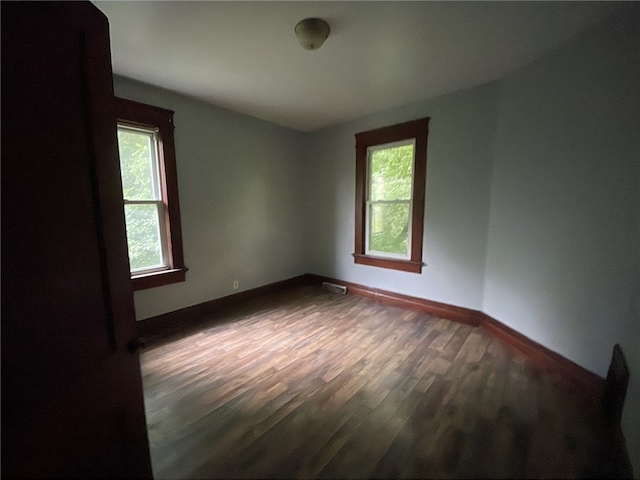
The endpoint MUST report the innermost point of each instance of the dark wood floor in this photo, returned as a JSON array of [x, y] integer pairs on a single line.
[[315, 384]]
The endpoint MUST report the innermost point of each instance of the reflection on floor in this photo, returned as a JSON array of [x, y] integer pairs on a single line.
[[315, 384]]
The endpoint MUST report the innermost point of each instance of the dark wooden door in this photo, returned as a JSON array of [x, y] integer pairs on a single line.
[[72, 402]]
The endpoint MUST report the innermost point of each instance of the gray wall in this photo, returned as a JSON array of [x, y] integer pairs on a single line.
[[459, 152], [564, 191], [240, 195], [532, 203], [532, 210], [563, 248]]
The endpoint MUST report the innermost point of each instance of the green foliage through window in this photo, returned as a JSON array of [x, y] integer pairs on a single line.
[[389, 192], [143, 236], [139, 167]]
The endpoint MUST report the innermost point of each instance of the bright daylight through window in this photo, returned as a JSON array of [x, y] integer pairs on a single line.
[[150, 194], [143, 203], [390, 174], [390, 182]]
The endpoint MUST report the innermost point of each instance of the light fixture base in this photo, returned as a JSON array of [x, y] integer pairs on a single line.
[[312, 32]]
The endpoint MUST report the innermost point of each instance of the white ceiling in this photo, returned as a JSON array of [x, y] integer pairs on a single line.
[[244, 55]]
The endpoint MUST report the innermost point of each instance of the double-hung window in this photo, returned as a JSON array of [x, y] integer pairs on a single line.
[[150, 194], [390, 182]]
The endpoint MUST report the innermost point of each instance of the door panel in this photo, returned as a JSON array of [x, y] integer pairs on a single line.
[[72, 399]]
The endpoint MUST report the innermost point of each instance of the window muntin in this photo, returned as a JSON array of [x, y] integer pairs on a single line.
[[389, 199], [144, 204]]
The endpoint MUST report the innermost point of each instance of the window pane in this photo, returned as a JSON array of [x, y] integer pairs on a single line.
[[143, 236], [389, 228], [390, 171], [138, 164]]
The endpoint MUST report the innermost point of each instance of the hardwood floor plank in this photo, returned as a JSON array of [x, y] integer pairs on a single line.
[[306, 384]]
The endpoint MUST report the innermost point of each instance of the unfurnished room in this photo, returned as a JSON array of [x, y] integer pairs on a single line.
[[368, 239]]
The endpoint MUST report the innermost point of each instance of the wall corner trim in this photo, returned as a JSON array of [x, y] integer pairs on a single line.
[[549, 360], [438, 309], [186, 319]]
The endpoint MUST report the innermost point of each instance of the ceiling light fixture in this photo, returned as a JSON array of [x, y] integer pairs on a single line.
[[312, 32]]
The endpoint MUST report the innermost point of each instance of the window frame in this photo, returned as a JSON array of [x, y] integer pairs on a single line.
[[148, 117], [370, 203], [158, 203], [416, 131]]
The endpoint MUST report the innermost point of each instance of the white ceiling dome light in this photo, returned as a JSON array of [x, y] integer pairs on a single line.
[[312, 32]]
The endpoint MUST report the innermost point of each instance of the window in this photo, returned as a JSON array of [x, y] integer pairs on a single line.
[[391, 168], [150, 194]]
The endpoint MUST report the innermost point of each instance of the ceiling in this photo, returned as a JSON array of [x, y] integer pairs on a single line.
[[244, 55]]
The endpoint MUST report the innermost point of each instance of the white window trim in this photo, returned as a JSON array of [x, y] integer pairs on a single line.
[[369, 202], [160, 201]]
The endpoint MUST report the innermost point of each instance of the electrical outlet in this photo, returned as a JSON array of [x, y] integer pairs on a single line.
[[236, 284]]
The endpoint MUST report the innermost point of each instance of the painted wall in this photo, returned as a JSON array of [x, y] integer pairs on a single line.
[[532, 210], [532, 206], [564, 191], [240, 194], [563, 247], [459, 152]]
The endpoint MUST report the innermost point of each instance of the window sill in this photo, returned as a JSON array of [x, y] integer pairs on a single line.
[[392, 263], [157, 279]]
